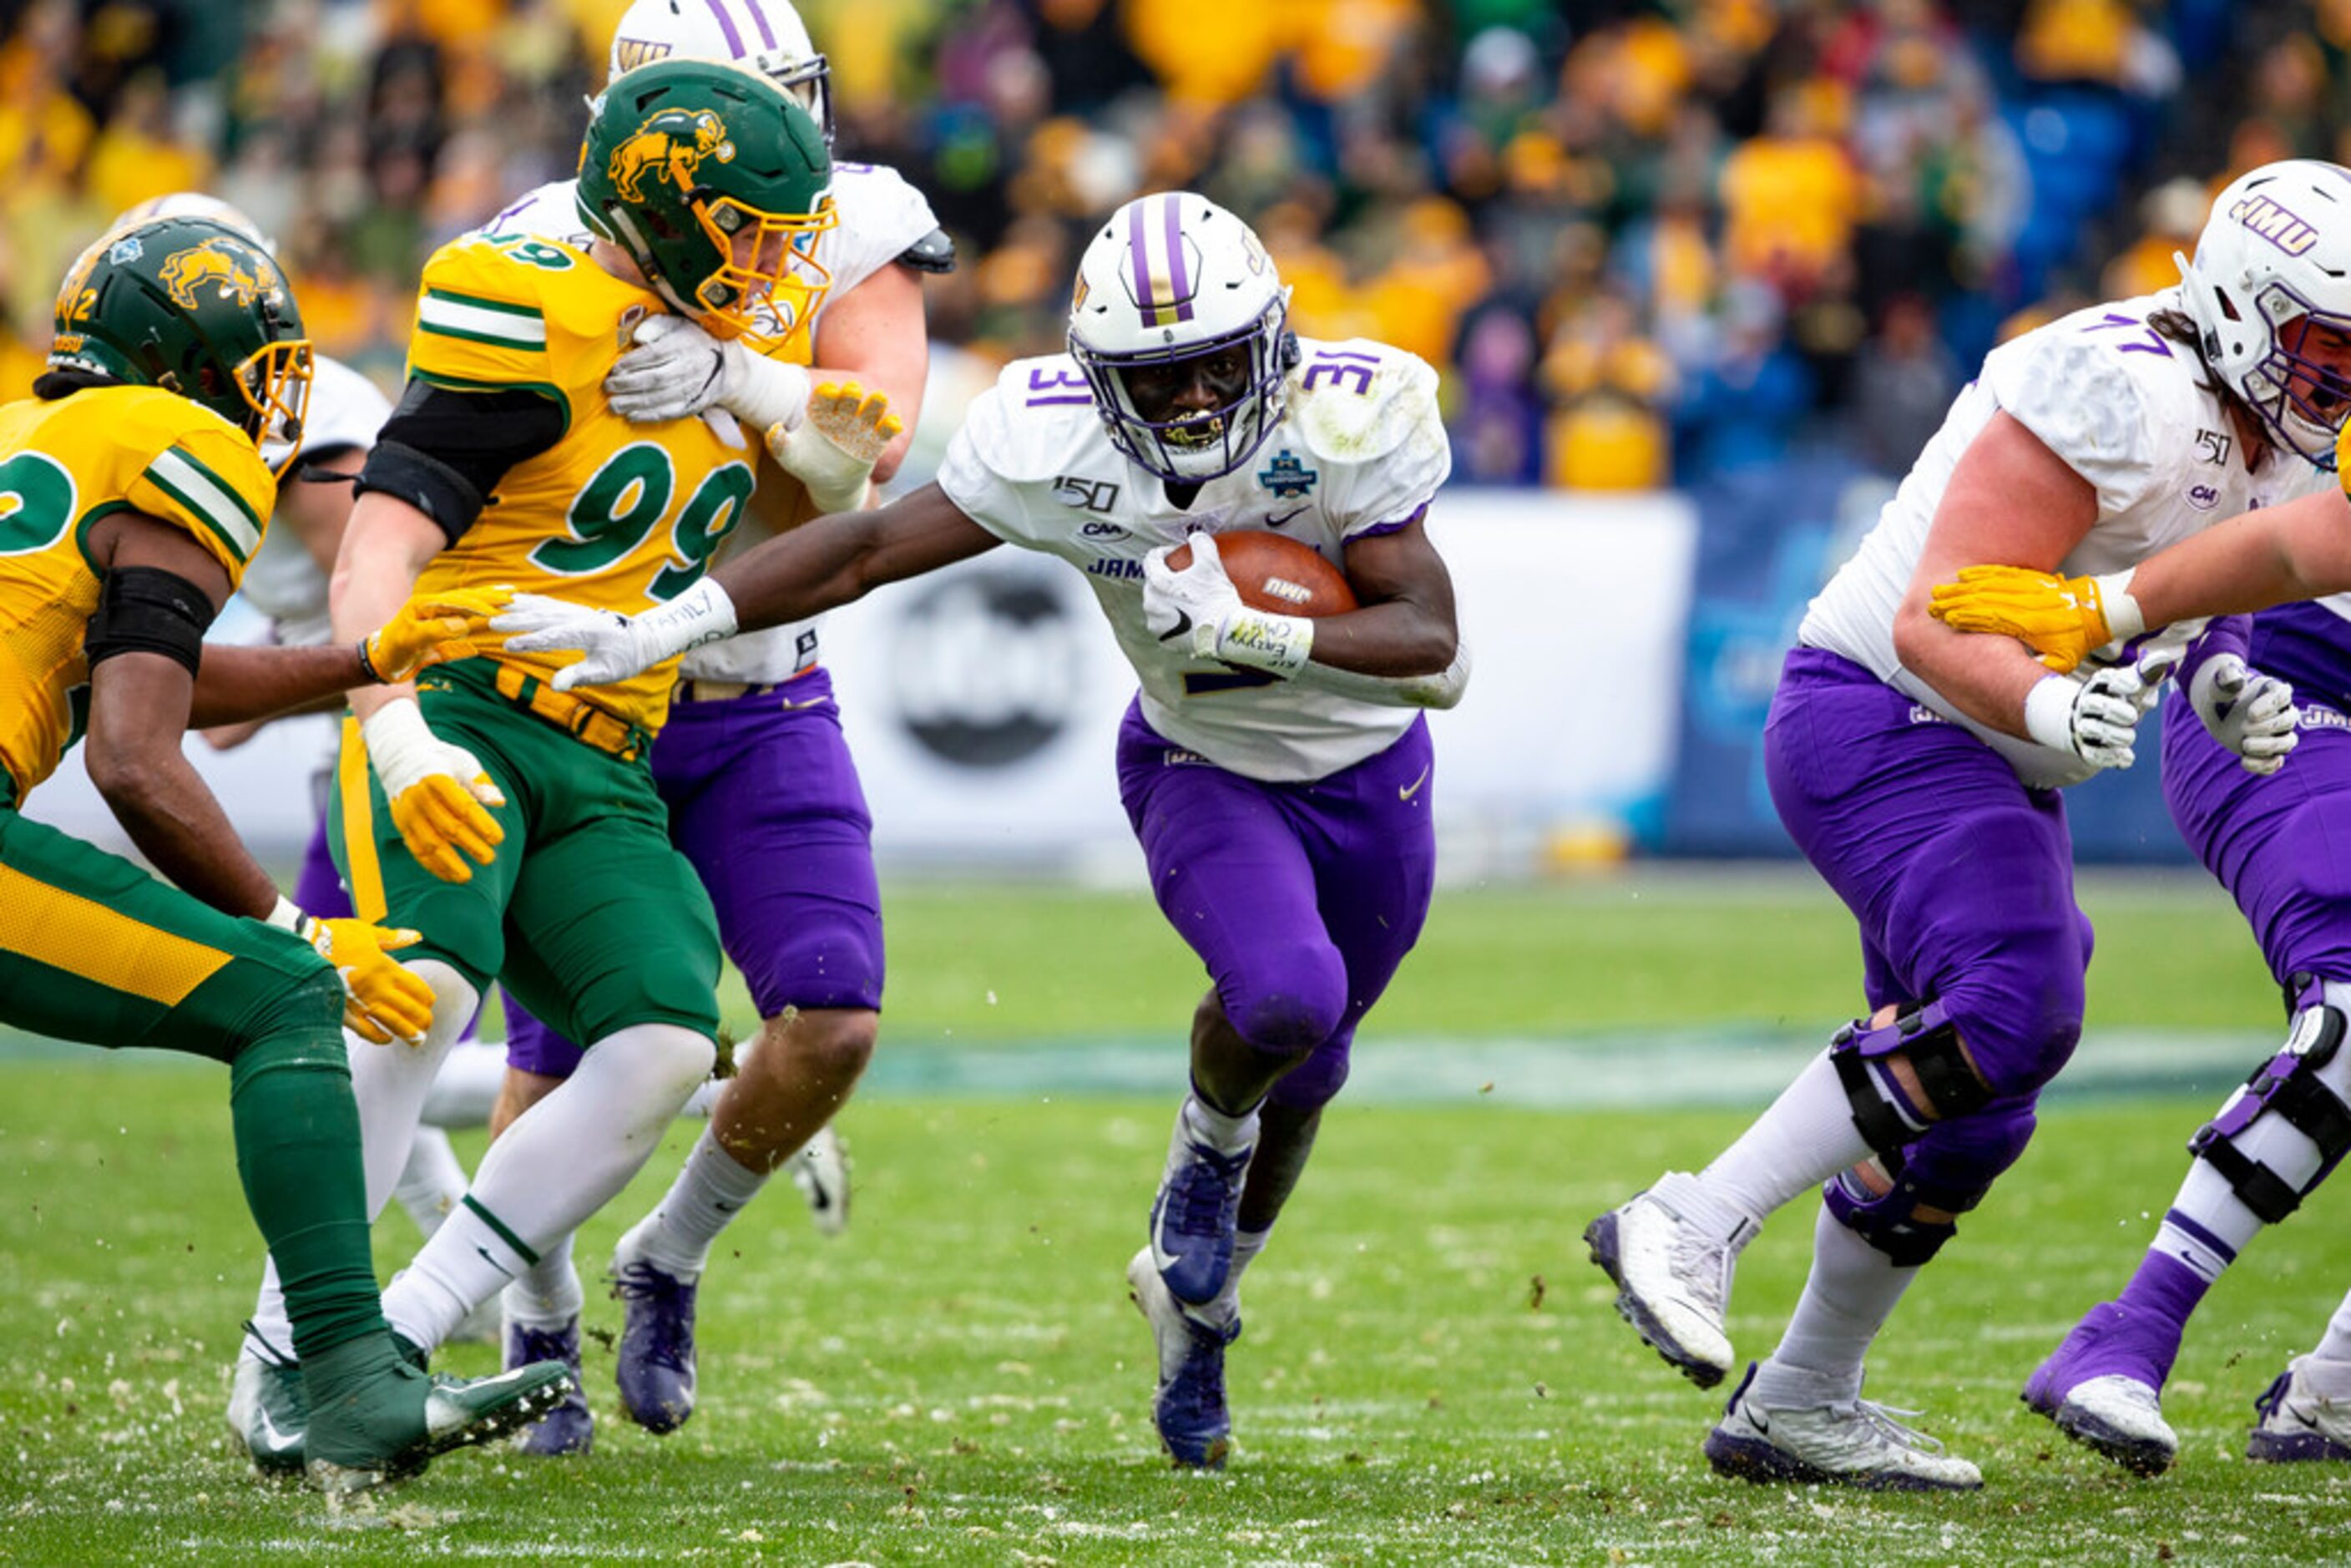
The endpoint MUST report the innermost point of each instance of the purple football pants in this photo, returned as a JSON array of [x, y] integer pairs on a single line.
[[1301, 899]]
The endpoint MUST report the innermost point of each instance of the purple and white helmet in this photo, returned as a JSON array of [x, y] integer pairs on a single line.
[[2277, 251], [195, 205], [1171, 278], [764, 35]]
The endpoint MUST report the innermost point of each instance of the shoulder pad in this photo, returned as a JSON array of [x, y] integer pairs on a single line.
[[1358, 400], [191, 467], [1036, 415], [934, 253]]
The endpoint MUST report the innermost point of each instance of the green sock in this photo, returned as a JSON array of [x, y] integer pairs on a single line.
[[298, 1151]]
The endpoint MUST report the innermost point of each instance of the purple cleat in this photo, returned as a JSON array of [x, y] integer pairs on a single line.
[[2103, 1386], [569, 1427], [656, 1356]]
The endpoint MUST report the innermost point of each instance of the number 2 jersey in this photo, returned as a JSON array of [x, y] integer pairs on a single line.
[[2128, 410], [1359, 451], [881, 217], [64, 464], [617, 516]]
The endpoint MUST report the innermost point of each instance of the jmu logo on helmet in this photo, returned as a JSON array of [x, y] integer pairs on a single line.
[[219, 263], [673, 142], [635, 52], [2275, 225]]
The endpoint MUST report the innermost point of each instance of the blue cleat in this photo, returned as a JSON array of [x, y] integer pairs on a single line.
[[1188, 1407], [1195, 1215], [568, 1427], [656, 1358]]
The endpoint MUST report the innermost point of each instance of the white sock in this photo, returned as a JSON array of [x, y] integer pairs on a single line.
[[2336, 1343], [390, 1083], [466, 1087], [1206, 1124], [711, 1189], [1801, 1139], [1850, 1293], [561, 1161], [2206, 1197], [431, 1182], [547, 1295]]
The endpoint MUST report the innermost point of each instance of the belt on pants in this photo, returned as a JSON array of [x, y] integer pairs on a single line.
[[575, 717]]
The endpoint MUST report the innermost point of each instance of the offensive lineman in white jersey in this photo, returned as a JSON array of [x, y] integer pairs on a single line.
[[1919, 770], [762, 794], [1275, 769]]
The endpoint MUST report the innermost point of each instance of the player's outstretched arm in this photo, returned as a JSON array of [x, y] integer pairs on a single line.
[[819, 566]]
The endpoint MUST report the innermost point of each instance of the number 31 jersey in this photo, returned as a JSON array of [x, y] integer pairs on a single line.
[[1359, 451], [63, 465], [618, 516]]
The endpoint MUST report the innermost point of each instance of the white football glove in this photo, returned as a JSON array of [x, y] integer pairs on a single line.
[[675, 370], [1200, 606], [831, 446], [2095, 718], [2250, 713], [616, 646]]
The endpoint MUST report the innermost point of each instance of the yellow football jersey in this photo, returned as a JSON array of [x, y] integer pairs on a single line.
[[63, 465], [618, 516]]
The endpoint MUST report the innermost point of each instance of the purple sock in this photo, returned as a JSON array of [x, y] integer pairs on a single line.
[[2164, 1292], [2136, 1336]]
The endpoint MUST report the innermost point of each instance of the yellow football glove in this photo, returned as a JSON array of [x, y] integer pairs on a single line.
[[382, 1000], [2060, 619], [433, 628], [440, 795], [839, 438]]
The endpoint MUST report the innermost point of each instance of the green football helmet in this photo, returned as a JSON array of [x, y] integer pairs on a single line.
[[196, 308], [717, 184]]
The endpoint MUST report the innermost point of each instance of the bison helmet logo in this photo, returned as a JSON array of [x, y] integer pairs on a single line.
[[220, 263], [674, 142]]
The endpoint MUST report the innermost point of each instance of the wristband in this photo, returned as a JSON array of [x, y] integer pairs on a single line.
[[2049, 713], [287, 916], [1277, 644], [2124, 618], [702, 613]]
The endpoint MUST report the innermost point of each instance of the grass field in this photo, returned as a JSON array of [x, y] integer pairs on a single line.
[[1431, 1372]]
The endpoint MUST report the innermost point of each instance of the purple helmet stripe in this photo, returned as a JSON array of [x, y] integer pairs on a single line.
[[1140, 255], [759, 16], [1178, 285], [726, 26]]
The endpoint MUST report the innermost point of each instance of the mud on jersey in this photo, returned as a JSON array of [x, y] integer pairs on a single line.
[[63, 465], [2126, 409], [1359, 451], [618, 516]]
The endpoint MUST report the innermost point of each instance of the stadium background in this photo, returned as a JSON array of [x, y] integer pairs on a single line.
[[1699, 274]]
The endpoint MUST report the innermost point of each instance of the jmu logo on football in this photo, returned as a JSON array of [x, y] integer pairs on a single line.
[[2275, 225], [673, 142], [1286, 477], [219, 263]]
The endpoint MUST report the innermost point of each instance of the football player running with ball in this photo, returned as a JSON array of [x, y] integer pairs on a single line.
[[135, 493], [1274, 767], [2274, 320], [1919, 769], [762, 795], [515, 826]]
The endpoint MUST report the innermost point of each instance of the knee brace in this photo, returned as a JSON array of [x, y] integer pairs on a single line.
[[1950, 1170], [1929, 1039], [2289, 1086]]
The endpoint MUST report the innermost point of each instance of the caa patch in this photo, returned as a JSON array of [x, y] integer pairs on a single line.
[[1286, 477], [2203, 497]]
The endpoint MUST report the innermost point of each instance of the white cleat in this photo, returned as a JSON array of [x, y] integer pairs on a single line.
[[821, 1170], [2299, 1419], [2122, 1418], [1673, 1280], [1852, 1442]]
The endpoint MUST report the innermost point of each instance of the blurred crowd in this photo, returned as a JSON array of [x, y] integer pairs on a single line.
[[1647, 241]]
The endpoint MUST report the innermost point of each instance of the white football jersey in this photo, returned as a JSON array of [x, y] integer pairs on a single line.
[[2127, 410], [1361, 450], [282, 581], [881, 217]]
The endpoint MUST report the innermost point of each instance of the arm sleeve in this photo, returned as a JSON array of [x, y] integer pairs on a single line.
[[444, 452]]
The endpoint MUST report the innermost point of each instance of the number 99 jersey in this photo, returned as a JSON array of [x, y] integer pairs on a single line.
[[64, 464], [618, 516]]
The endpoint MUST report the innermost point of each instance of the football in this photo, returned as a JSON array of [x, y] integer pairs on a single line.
[[1277, 574]]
